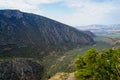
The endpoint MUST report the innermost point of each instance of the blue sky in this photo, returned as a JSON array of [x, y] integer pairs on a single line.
[[71, 12]]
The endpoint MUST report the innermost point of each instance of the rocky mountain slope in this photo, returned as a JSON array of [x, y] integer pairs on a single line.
[[25, 29], [28, 35]]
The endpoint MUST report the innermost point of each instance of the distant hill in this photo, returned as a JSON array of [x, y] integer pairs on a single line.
[[107, 29], [23, 30]]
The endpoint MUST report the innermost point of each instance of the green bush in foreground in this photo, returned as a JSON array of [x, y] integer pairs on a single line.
[[104, 65]]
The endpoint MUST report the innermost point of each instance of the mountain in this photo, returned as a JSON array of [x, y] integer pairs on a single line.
[[30, 36], [30, 30]]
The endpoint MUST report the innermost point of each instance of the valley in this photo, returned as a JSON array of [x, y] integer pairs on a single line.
[[33, 41], [34, 38], [67, 64]]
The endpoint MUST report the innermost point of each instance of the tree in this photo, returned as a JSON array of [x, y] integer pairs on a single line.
[[104, 65]]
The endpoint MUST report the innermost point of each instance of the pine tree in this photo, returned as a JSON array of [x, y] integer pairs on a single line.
[[104, 65]]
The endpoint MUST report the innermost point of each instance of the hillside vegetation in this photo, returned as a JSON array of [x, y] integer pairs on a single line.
[[94, 65], [103, 65]]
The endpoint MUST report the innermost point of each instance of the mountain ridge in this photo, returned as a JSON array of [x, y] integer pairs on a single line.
[[27, 26]]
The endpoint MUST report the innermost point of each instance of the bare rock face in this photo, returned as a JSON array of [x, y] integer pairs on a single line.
[[29, 34], [20, 70], [25, 29]]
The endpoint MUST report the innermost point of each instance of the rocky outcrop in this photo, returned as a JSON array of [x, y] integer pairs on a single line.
[[63, 76], [20, 70], [24, 29]]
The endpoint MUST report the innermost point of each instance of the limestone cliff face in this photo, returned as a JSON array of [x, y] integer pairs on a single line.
[[20, 70], [25, 29]]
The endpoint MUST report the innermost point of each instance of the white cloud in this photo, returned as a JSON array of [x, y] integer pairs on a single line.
[[41, 1], [85, 11], [25, 5], [17, 4], [88, 12]]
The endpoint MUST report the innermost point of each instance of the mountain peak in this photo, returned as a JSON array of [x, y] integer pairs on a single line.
[[11, 13]]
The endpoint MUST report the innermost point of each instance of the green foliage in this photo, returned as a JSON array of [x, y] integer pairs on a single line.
[[104, 65]]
